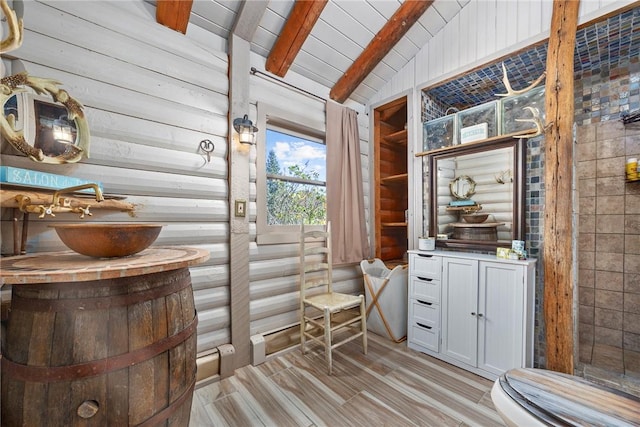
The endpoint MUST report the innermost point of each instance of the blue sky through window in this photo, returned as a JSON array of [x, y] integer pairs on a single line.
[[291, 150]]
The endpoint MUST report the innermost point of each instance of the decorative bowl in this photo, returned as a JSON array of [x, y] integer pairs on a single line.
[[475, 218], [107, 240]]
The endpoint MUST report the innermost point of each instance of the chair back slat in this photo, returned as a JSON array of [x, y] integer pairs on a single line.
[[315, 258]]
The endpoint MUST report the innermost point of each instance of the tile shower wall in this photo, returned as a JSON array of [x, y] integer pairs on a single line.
[[609, 232]]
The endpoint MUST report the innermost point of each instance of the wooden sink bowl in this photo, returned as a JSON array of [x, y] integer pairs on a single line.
[[107, 240], [475, 218]]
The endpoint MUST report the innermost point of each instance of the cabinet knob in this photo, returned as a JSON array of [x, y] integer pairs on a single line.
[[473, 313], [479, 314]]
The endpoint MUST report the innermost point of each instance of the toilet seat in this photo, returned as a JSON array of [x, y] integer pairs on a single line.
[[538, 397]]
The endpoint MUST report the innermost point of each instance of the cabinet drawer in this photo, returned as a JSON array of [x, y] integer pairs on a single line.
[[425, 313], [423, 265], [424, 288], [424, 336]]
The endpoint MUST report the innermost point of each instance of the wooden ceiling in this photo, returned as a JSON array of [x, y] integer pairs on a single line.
[[352, 47]]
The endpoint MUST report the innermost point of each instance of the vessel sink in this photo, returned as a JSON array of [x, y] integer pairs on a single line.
[[107, 240]]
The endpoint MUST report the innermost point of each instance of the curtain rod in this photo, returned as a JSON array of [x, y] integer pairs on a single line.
[[254, 71]]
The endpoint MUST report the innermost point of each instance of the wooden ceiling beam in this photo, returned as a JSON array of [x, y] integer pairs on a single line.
[[397, 26], [303, 17], [174, 14]]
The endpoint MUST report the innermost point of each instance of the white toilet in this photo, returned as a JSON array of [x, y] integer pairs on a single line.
[[538, 397]]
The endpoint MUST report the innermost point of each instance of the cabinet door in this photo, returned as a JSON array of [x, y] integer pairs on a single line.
[[459, 309], [501, 311]]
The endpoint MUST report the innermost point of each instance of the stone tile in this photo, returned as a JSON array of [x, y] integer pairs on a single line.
[[610, 205], [631, 323], [586, 224], [609, 280], [587, 205], [586, 314], [608, 299], [609, 262], [609, 130], [613, 243], [585, 351], [608, 356], [586, 169], [586, 296], [586, 277], [631, 341], [632, 282], [611, 168], [631, 361], [586, 151], [610, 148], [610, 337], [632, 224], [607, 318], [611, 185], [609, 224], [587, 188], [632, 243], [632, 145], [632, 303], [586, 260], [631, 263], [587, 242], [632, 204], [585, 134], [586, 333]]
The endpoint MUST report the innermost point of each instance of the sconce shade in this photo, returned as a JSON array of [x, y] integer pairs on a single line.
[[246, 130]]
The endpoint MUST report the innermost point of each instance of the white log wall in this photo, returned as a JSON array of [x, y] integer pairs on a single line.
[[150, 96], [481, 32]]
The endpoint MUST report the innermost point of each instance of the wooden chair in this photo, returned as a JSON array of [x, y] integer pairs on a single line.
[[316, 291]]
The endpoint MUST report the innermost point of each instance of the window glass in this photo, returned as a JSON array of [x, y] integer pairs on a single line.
[[295, 166]]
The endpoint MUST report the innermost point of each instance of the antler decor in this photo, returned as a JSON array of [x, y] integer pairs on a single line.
[[14, 39], [11, 85], [535, 120], [507, 85]]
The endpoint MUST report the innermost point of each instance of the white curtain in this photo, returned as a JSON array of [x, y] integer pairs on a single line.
[[345, 195]]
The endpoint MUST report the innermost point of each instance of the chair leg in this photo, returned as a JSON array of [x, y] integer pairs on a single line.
[[363, 323], [303, 328], [327, 340]]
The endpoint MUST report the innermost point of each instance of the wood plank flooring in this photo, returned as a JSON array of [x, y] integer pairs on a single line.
[[390, 386]]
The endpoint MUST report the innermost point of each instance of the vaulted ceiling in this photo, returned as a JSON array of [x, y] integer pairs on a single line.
[[347, 37]]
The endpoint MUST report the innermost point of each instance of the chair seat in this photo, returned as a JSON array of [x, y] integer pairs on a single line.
[[333, 301]]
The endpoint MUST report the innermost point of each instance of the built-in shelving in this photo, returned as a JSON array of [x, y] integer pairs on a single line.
[[391, 181]]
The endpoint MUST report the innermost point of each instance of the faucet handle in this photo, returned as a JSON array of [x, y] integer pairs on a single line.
[[84, 211], [45, 211]]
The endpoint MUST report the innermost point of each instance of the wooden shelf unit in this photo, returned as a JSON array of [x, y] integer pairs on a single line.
[[390, 181]]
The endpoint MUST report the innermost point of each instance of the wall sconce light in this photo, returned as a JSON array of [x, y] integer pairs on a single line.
[[246, 130]]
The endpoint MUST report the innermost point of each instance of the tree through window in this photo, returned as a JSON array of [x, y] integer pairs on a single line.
[[296, 179]]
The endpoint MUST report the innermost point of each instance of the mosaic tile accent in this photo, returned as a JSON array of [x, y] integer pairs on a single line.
[[600, 49]]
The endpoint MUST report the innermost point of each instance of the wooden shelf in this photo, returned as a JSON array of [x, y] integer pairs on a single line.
[[394, 224], [395, 179], [474, 143], [41, 197], [399, 137]]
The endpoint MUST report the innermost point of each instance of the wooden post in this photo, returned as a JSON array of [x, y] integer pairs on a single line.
[[558, 177]]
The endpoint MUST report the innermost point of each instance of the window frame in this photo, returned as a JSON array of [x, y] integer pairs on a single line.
[[291, 123]]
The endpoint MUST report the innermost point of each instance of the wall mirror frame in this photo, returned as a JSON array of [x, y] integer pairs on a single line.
[[512, 220]]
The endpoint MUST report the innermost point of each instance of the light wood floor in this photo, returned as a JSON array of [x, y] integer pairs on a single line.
[[390, 386]]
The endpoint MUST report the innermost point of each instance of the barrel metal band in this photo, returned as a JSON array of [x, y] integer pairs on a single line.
[[45, 374], [167, 412], [98, 303]]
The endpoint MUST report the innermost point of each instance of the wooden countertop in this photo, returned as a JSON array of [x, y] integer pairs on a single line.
[[68, 266], [476, 225]]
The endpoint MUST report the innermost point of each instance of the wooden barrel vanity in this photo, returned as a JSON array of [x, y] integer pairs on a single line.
[[100, 341]]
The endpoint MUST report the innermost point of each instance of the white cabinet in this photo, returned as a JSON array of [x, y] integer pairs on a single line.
[[472, 310]]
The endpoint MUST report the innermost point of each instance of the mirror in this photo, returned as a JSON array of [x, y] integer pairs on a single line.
[[47, 129], [477, 194]]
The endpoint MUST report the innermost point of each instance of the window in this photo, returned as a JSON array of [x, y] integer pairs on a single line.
[[291, 179], [296, 179]]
